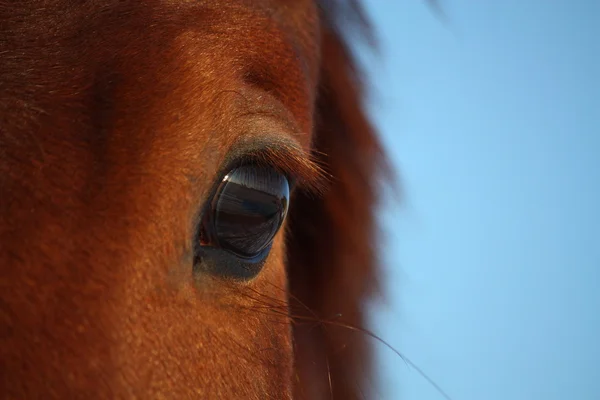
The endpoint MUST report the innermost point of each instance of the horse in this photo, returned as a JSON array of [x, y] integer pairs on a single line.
[[187, 200]]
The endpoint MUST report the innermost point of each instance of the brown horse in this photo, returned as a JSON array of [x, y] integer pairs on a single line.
[[149, 154]]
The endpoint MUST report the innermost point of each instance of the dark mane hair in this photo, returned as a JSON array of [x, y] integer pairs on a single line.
[[331, 250]]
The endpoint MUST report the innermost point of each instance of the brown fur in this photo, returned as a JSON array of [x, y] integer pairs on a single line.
[[115, 119]]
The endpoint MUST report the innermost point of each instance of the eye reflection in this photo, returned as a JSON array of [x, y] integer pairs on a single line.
[[248, 209]]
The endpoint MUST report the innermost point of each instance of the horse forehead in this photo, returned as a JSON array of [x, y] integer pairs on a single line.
[[70, 25], [72, 44]]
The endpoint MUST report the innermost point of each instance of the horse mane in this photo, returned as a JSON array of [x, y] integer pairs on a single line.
[[331, 249]]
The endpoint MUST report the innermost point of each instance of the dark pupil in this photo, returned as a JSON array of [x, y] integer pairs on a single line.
[[249, 208]]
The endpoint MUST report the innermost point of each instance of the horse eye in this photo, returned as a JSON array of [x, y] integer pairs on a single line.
[[247, 210]]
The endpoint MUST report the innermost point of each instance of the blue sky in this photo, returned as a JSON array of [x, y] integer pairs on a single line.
[[492, 259]]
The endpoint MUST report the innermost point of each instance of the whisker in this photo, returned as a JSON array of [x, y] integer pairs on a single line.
[[282, 310]]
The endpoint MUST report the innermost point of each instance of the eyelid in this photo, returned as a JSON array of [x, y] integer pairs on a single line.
[[282, 154], [255, 160]]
